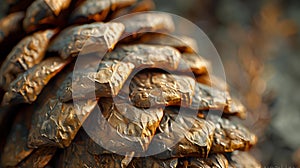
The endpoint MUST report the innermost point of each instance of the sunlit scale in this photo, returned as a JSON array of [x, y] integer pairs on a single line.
[[142, 84]]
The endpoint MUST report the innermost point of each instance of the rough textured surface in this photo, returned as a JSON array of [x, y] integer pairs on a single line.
[[214, 160], [43, 12], [28, 86], [194, 63], [236, 159], [98, 10], [27, 53], [140, 114], [107, 81], [147, 22], [151, 89], [194, 136], [229, 137], [57, 5], [153, 163], [209, 98], [91, 10], [72, 40], [57, 123], [79, 155], [85, 152], [127, 127], [182, 43], [146, 56], [139, 6]]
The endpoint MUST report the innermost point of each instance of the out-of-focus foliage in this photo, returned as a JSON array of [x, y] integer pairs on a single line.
[[258, 42]]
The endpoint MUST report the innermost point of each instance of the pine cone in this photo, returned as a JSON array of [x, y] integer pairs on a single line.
[[47, 105]]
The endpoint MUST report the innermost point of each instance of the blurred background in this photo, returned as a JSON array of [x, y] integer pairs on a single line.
[[259, 44]]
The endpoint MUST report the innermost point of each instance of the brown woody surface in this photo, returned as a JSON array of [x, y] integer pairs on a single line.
[[72, 40], [27, 53], [28, 85]]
